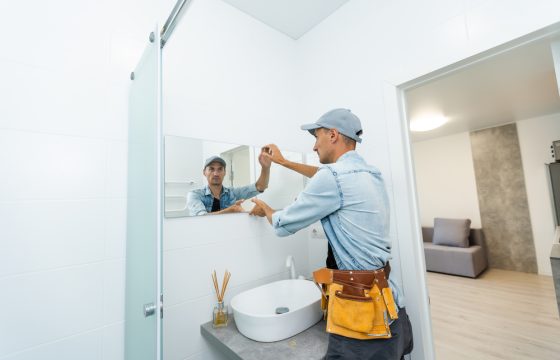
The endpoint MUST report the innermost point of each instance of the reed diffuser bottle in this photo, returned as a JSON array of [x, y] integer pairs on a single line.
[[220, 313]]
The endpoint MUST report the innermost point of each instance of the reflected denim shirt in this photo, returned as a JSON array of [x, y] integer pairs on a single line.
[[350, 199], [200, 201]]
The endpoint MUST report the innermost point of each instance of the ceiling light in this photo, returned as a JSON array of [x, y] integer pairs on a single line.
[[427, 123]]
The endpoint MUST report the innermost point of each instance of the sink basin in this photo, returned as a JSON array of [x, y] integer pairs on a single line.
[[277, 310]]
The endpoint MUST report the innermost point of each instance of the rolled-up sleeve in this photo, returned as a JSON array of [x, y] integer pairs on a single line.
[[320, 198], [195, 204]]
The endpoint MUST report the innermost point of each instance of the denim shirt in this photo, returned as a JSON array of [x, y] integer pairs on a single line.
[[350, 199], [200, 201]]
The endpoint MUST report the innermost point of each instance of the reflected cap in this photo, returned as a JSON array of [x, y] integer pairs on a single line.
[[340, 119], [212, 159]]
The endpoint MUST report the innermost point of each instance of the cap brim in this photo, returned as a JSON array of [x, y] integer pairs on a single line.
[[310, 126]]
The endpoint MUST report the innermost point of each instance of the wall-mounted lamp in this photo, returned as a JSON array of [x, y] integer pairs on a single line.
[[427, 122]]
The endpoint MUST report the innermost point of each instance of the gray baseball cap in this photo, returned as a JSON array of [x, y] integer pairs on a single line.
[[340, 119], [212, 159]]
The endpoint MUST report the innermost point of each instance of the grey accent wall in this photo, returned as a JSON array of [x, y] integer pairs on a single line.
[[502, 197]]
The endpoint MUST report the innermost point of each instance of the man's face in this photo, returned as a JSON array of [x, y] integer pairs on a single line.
[[323, 145], [215, 173]]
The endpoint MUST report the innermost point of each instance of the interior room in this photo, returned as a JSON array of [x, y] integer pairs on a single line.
[[96, 271], [482, 135]]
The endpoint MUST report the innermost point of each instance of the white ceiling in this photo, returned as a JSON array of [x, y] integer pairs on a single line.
[[515, 85], [291, 17]]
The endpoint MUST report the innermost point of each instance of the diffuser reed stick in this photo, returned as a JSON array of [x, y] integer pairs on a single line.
[[227, 275], [215, 281]]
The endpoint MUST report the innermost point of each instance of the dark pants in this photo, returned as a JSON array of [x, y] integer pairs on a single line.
[[400, 344]]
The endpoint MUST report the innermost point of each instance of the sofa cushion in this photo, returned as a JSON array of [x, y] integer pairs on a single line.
[[469, 261], [451, 232]]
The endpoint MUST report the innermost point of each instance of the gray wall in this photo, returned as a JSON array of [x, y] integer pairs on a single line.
[[504, 210]]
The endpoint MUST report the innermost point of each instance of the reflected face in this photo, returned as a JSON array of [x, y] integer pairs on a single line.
[[214, 173], [322, 145]]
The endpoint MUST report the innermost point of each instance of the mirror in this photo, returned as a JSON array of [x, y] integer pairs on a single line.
[[184, 165]]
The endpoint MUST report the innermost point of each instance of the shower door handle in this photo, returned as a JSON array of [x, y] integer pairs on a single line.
[[149, 309]]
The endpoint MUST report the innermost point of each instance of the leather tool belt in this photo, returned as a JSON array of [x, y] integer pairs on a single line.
[[358, 304]]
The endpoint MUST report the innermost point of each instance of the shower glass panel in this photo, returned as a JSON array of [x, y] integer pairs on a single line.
[[144, 208]]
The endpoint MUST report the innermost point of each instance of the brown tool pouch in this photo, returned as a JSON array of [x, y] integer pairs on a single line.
[[358, 304]]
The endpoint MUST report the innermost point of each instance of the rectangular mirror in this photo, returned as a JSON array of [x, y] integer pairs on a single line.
[[184, 167]]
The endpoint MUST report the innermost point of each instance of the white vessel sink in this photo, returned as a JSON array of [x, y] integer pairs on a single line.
[[256, 311]]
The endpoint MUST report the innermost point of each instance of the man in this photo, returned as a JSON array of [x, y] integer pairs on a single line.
[[350, 199], [217, 199]]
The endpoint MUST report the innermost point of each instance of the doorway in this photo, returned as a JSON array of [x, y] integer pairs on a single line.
[[498, 113]]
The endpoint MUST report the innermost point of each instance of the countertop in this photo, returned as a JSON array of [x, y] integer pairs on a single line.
[[309, 345]]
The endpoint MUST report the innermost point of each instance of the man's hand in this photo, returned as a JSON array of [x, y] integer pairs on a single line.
[[273, 153], [235, 208], [262, 209], [265, 160], [257, 211]]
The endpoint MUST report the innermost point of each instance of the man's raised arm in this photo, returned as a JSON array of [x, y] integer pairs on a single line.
[[274, 154]]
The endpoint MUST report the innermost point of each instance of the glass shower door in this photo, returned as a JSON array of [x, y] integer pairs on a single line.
[[144, 208]]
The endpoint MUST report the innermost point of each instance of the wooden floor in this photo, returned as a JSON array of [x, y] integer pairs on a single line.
[[500, 315]]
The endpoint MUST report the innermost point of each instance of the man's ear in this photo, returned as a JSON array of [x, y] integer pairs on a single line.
[[333, 135]]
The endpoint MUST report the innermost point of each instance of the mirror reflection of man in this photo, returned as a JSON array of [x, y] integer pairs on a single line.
[[215, 198]]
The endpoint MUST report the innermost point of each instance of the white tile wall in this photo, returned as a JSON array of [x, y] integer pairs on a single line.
[[48, 305], [63, 233], [41, 166], [65, 69], [100, 344], [113, 341], [87, 346], [115, 228]]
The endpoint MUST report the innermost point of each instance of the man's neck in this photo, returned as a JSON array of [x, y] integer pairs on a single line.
[[216, 190], [341, 152]]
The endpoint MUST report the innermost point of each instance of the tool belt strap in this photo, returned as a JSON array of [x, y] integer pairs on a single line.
[[358, 279]]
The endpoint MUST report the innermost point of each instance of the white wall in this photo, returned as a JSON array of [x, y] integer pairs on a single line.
[[535, 137], [65, 69], [445, 179], [227, 77]]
